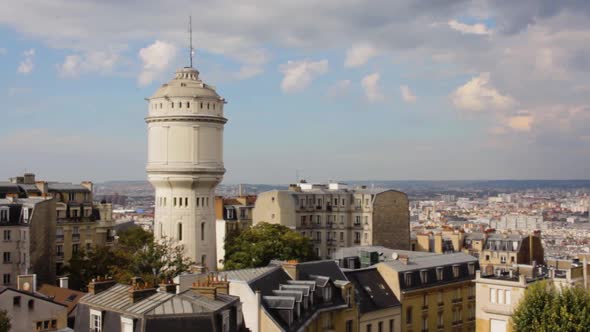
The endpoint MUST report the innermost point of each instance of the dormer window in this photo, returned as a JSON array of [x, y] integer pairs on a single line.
[[4, 214], [456, 271], [408, 279], [424, 276], [439, 273], [471, 268], [95, 321]]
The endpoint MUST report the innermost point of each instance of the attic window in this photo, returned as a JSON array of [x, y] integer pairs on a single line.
[[471, 267], [456, 271], [408, 279], [439, 273], [4, 215], [424, 276]]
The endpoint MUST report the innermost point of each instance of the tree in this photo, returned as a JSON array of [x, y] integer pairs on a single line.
[[546, 308], [260, 244], [4, 321], [135, 255]]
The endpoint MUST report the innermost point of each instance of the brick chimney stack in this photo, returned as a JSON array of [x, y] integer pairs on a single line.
[[139, 290], [100, 284]]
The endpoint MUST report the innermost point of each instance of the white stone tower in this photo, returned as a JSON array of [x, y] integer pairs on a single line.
[[185, 162]]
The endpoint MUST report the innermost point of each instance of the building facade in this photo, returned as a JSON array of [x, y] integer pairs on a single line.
[[233, 215], [185, 162], [334, 217], [436, 291]]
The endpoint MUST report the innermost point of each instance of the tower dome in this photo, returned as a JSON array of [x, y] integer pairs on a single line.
[[185, 162]]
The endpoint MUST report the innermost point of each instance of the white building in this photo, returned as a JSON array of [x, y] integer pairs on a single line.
[[185, 162]]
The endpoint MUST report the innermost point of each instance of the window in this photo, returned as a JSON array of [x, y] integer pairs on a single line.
[[341, 236], [59, 249], [409, 315], [424, 276], [318, 236], [500, 296], [7, 235], [471, 268], [179, 201], [95, 321], [508, 299], [4, 215], [203, 231], [391, 323], [408, 279], [6, 258], [369, 327], [186, 201], [424, 323], [75, 248], [179, 104], [174, 201], [348, 326], [456, 271], [440, 320], [126, 324], [203, 260], [6, 279], [439, 273], [179, 232], [188, 104], [172, 104], [357, 220], [71, 196], [31, 304], [16, 301], [357, 237], [201, 105], [493, 295], [161, 105], [207, 105], [366, 220]]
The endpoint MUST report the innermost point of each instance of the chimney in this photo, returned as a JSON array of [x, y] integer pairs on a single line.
[[42, 186], [211, 286], [88, 185], [291, 268], [29, 178], [100, 284], [404, 259], [168, 287], [139, 290], [27, 283], [64, 282]]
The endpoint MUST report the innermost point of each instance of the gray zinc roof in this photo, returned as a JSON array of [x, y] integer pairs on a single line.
[[431, 261]]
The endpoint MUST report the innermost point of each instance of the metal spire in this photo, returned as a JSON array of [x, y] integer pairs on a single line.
[[190, 31]]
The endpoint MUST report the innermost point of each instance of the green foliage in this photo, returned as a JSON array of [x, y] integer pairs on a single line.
[[545, 308], [260, 244], [135, 255], [4, 321]]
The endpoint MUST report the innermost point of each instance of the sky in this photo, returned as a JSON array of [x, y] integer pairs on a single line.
[[327, 89]]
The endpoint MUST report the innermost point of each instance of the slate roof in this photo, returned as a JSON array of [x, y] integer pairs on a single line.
[[372, 292], [326, 268], [63, 186], [431, 261]]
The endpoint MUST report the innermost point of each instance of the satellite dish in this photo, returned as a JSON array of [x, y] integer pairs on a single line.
[[395, 256]]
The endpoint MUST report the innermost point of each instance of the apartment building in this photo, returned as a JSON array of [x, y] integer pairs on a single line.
[[290, 296], [436, 291], [81, 224], [233, 214], [27, 226], [334, 216]]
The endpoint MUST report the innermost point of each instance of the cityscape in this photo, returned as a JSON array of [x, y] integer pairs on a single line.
[[299, 202]]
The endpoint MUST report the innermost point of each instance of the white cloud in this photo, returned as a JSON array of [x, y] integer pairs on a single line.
[[339, 88], [74, 65], [407, 95], [479, 95], [371, 85], [476, 29], [522, 122], [359, 55], [156, 58], [297, 75], [26, 66]]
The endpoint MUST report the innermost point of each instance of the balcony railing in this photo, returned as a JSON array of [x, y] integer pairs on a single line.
[[76, 237], [459, 300], [59, 238]]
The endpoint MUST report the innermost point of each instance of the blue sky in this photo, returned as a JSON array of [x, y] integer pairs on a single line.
[[337, 90]]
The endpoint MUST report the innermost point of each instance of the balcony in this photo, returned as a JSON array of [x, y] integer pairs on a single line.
[[357, 241], [317, 240], [457, 300], [76, 237], [440, 304], [59, 238], [425, 308], [359, 225]]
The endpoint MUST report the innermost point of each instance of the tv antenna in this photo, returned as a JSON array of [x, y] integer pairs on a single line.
[[191, 50]]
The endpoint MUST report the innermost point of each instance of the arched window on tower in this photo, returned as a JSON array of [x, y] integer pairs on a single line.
[[179, 104], [207, 105], [214, 106], [203, 259], [202, 231], [172, 104], [188, 104], [179, 231], [186, 201]]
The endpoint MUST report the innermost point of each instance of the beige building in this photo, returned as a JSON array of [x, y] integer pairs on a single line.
[[27, 226], [436, 291], [233, 215], [78, 222], [334, 217]]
